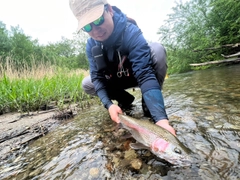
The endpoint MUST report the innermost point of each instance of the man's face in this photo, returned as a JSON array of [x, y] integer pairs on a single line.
[[102, 32]]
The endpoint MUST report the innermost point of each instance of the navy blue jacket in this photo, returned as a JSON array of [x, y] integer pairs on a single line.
[[128, 39]]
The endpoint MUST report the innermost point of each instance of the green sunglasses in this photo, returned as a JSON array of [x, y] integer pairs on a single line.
[[98, 22]]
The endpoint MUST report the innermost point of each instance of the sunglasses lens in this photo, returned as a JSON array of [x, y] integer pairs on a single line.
[[99, 21], [87, 28]]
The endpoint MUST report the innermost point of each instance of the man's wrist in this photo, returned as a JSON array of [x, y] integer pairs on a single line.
[[162, 121], [107, 106]]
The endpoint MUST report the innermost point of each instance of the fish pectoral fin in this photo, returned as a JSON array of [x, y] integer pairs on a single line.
[[138, 145], [126, 136]]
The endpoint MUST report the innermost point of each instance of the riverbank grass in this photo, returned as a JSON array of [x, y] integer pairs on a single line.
[[31, 89]]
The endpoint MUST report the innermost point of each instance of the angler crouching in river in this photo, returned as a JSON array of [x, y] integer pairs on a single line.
[[120, 58]]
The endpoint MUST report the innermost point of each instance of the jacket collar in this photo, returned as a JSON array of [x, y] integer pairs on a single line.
[[120, 21]]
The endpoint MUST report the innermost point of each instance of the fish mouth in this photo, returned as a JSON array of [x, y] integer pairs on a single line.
[[180, 162]]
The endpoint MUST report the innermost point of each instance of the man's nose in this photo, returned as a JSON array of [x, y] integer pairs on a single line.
[[95, 28]]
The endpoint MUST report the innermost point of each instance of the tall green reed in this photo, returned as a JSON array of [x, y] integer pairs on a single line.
[[32, 94], [25, 93]]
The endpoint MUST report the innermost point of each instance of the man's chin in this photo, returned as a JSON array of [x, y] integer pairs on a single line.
[[104, 37]]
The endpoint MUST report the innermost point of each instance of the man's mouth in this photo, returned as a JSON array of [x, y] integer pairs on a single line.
[[102, 35]]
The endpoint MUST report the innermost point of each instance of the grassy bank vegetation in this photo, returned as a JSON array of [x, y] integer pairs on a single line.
[[197, 31], [37, 86]]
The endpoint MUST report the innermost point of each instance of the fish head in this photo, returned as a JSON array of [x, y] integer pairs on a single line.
[[177, 155]]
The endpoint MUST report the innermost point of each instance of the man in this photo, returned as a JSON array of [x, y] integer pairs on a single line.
[[120, 58]]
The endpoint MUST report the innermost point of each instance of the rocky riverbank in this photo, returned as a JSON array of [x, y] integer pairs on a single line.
[[18, 130]]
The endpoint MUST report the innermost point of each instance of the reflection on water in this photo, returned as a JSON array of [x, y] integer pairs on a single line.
[[204, 108]]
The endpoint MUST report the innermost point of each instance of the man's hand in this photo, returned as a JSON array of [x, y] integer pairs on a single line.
[[165, 124], [114, 110]]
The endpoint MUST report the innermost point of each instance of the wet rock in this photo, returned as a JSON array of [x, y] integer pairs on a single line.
[[115, 161], [234, 111], [94, 172], [119, 153], [136, 164], [107, 149], [145, 169], [119, 133], [130, 154], [147, 154], [109, 167], [98, 136], [211, 118], [118, 146], [35, 172], [109, 129], [126, 145]]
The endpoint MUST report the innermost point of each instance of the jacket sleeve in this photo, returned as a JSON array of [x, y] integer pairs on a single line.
[[140, 58], [97, 78]]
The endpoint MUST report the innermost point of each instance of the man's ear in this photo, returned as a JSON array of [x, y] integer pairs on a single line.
[[110, 10]]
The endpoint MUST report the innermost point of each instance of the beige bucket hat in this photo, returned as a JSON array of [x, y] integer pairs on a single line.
[[87, 11]]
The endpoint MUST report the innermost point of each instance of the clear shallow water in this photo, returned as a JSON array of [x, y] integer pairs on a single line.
[[204, 108]]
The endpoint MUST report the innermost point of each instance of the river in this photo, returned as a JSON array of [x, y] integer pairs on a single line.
[[204, 108]]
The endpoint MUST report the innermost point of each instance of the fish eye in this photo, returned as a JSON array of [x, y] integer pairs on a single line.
[[178, 151]]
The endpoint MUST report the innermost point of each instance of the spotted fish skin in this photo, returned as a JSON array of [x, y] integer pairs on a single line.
[[158, 140]]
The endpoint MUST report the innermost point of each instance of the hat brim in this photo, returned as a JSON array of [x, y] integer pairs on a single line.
[[90, 16]]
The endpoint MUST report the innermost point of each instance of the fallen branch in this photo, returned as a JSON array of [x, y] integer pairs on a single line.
[[216, 62], [231, 55], [223, 46], [27, 130]]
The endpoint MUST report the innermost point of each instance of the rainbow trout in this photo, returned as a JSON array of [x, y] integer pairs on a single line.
[[158, 140]]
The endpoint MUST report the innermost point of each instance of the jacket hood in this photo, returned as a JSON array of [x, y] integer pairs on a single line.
[[120, 21]]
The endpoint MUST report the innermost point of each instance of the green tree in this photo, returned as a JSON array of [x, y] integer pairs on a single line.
[[224, 20], [5, 44], [182, 33], [22, 46], [69, 53], [199, 24], [80, 40]]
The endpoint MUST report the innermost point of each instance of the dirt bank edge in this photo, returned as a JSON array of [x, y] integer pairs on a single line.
[[18, 130]]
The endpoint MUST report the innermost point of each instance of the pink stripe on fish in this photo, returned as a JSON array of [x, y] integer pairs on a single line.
[[159, 145], [137, 127]]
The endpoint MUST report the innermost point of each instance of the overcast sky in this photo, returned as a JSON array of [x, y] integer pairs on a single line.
[[49, 20]]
